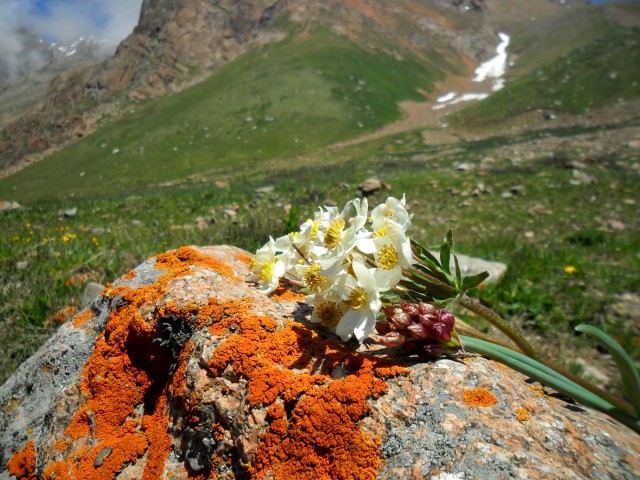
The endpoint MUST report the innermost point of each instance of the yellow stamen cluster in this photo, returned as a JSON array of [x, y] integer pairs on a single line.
[[313, 235], [334, 233], [357, 299], [388, 257], [313, 279], [382, 231], [329, 313], [266, 270]]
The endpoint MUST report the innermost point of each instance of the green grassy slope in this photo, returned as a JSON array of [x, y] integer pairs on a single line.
[[292, 97], [579, 67]]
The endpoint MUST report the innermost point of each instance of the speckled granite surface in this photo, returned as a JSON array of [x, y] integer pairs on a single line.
[[183, 370]]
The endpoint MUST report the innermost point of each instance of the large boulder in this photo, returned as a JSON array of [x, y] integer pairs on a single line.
[[181, 369]]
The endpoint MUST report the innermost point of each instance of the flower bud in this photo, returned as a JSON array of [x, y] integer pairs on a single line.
[[431, 350], [410, 308], [400, 320], [383, 327], [393, 339], [417, 330], [441, 332], [426, 309], [426, 319], [446, 318]]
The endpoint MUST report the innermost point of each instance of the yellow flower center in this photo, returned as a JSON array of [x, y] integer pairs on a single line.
[[388, 257], [334, 233], [348, 265], [313, 235], [357, 299], [382, 231], [266, 271], [329, 313], [313, 279]]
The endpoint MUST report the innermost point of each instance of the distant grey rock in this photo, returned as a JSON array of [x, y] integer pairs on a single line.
[[474, 265], [70, 212], [91, 291]]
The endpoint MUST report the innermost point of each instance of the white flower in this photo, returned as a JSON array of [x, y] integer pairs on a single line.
[[361, 295], [391, 252], [267, 268], [393, 210]]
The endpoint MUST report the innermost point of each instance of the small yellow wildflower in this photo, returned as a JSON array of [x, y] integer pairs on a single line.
[[570, 269]]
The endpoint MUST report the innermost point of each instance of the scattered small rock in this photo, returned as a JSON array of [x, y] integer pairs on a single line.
[[264, 190], [70, 212], [517, 189], [575, 164], [370, 186], [617, 225], [21, 265], [7, 205], [221, 185], [506, 195], [465, 167], [539, 209], [581, 178]]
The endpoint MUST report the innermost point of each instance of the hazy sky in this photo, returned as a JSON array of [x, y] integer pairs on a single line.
[[63, 21]]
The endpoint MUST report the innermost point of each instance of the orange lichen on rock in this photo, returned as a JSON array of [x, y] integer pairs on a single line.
[[63, 314], [244, 258], [126, 383], [480, 397], [130, 275], [320, 437], [522, 414], [537, 389], [83, 317], [22, 464], [184, 257], [282, 294]]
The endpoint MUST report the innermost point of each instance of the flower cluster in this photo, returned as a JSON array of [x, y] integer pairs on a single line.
[[419, 327], [349, 262]]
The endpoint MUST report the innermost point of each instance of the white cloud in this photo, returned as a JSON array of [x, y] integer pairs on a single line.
[[66, 20], [111, 20], [62, 22]]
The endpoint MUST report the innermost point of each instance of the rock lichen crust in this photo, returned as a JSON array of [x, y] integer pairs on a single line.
[[181, 369]]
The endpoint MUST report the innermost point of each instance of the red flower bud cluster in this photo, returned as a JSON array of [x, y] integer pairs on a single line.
[[419, 327]]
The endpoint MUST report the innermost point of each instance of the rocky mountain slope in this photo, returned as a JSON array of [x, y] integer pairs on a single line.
[[178, 43]]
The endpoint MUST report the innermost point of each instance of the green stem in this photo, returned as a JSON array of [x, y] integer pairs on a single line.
[[497, 321]]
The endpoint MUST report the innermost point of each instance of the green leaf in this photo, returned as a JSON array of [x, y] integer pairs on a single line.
[[628, 371], [473, 281], [445, 252], [424, 254], [458, 273]]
